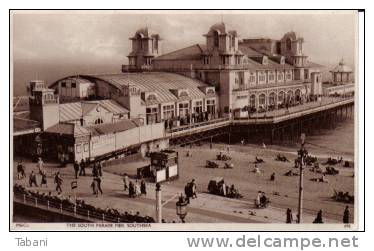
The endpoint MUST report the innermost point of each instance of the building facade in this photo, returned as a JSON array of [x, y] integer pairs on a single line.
[[259, 73]]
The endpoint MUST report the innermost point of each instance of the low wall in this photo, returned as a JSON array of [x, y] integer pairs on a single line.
[[43, 215]]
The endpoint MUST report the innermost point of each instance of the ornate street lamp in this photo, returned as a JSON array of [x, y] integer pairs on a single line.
[[181, 207]]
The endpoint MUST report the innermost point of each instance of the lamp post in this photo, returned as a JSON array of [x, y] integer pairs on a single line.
[[181, 207], [158, 203], [301, 155]]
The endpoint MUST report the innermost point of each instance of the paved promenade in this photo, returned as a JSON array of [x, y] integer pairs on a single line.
[[205, 209]]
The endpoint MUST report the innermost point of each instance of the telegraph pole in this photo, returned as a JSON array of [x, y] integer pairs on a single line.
[[301, 181]]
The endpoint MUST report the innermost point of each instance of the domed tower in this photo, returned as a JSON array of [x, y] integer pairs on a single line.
[[341, 74], [145, 46], [222, 46], [44, 106], [222, 56], [291, 47]]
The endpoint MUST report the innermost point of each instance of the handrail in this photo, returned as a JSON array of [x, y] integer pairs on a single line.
[[89, 212]]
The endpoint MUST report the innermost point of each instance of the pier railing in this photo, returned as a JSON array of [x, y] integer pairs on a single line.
[[65, 207], [197, 125]]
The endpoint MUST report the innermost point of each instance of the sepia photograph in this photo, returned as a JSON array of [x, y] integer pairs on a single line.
[[214, 120]]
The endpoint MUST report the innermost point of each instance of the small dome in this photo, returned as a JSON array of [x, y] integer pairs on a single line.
[[342, 67], [220, 27], [291, 35], [146, 32]]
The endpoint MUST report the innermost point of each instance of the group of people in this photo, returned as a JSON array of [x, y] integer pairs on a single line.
[[188, 119], [133, 188], [81, 207], [80, 168], [318, 219], [190, 190], [21, 173]]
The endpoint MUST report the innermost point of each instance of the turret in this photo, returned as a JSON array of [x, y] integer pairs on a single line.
[[44, 106], [145, 47]]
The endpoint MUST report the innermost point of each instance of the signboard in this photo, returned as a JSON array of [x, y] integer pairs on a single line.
[[173, 171], [160, 175], [74, 185]]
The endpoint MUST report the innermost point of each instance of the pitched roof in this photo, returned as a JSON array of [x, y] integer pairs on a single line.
[[192, 52], [250, 52], [75, 110], [119, 126], [22, 124], [160, 83], [68, 129]]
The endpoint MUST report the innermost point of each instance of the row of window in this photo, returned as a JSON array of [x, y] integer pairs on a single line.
[[239, 79], [79, 148], [183, 108], [73, 85]]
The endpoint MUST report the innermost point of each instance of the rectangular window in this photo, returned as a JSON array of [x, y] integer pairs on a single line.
[[183, 109], [271, 77], [288, 76], [211, 106], [151, 115], [78, 149], [168, 111], [198, 107], [252, 79], [280, 76], [73, 85], [63, 84], [86, 147]]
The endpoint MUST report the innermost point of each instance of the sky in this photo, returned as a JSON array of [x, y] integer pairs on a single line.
[[50, 45]]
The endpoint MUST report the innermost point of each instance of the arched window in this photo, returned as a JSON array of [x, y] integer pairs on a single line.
[[98, 121], [288, 44], [216, 39], [272, 97], [281, 96], [289, 96], [140, 41], [298, 95], [262, 99], [233, 41], [252, 100]]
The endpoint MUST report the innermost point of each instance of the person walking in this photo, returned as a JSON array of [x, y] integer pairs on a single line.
[[272, 177], [32, 179], [76, 169], [143, 188], [131, 190], [44, 179], [125, 182], [94, 171], [289, 216], [99, 169], [58, 182], [98, 180], [346, 215], [82, 171], [94, 187], [20, 171], [137, 188], [318, 219], [40, 165], [193, 188]]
